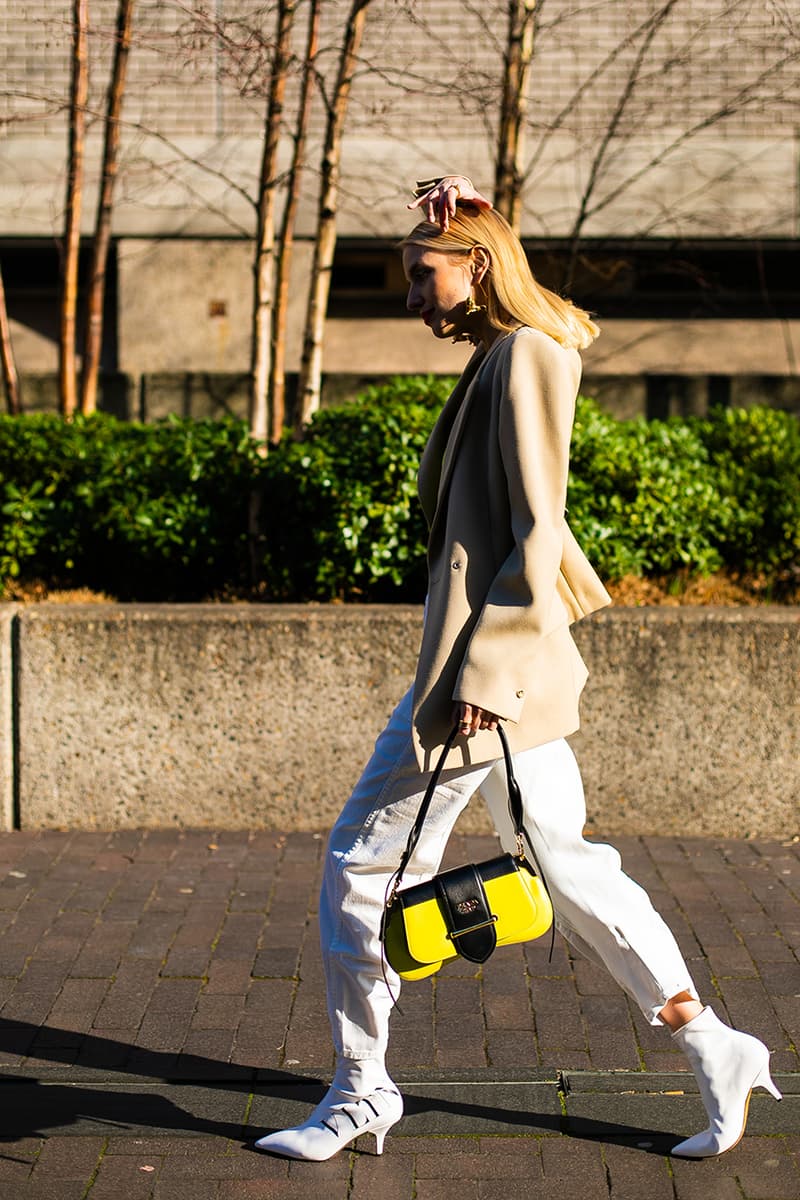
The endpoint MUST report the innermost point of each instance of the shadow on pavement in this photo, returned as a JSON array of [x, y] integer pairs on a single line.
[[193, 1095]]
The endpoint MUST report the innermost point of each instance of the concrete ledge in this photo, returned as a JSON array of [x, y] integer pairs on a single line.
[[262, 716]]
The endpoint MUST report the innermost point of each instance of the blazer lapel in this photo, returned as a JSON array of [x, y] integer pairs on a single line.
[[437, 451], [471, 376], [456, 430]]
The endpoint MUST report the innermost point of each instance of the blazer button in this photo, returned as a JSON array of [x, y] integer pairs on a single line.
[[456, 566], [520, 693]]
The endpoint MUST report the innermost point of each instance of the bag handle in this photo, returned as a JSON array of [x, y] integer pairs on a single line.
[[514, 802]]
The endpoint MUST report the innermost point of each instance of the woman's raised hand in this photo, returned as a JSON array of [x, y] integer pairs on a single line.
[[439, 197]]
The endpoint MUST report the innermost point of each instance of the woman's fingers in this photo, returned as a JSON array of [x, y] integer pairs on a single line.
[[441, 199], [471, 718]]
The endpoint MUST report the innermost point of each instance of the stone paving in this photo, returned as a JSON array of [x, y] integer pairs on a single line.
[[161, 1003]]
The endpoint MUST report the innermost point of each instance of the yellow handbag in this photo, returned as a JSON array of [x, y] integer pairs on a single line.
[[469, 910]]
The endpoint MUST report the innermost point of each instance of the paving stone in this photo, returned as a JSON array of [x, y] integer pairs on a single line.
[[765, 1171], [389, 1177], [198, 1189], [575, 1166], [48, 1188], [710, 1179], [511, 1048], [447, 1189], [612, 1049], [633, 1174], [17, 1159], [237, 1163], [132, 1176], [69, 1157], [284, 1189]]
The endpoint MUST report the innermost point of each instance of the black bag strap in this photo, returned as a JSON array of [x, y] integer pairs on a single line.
[[514, 802], [514, 808]]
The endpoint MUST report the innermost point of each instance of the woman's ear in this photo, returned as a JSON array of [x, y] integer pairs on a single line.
[[481, 262]]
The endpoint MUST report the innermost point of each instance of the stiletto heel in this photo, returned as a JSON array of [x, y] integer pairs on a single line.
[[727, 1065], [765, 1080], [336, 1122], [380, 1138]]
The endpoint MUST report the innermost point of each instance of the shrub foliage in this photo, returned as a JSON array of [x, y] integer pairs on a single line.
[[183, 510]]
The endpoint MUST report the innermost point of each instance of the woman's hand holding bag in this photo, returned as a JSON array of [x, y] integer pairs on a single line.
[[468, 910]]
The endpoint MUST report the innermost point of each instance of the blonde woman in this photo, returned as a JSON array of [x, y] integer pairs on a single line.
[[506, 581]]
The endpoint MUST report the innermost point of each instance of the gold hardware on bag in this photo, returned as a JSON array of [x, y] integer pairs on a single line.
[[456, 933]]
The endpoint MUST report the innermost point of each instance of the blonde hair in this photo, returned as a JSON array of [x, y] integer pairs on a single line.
[[509, 290]]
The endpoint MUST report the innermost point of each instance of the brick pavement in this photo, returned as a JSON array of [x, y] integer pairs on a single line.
[[161, 1002]]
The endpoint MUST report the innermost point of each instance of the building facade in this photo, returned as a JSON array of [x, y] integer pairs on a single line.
[[660, 162]]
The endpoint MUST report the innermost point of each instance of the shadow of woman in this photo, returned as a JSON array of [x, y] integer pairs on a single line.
[[80, 1087], [202, 1096]]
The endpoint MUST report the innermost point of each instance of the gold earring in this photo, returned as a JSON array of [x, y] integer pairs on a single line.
[[472, 307]]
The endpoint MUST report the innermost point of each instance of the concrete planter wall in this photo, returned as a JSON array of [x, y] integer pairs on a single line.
[[131, 715]]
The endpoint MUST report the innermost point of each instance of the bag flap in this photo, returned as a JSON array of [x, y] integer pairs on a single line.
[[426, 932]]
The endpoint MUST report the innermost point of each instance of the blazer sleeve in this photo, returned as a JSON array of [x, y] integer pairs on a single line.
[[535, 389]]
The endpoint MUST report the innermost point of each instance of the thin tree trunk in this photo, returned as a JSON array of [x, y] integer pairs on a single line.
[[10, 377], [79, 86], [278, 372], [325, 242], [93, 333], [516, 73], [264, 266]]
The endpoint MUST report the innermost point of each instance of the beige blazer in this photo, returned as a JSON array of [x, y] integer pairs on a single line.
[[506, 576]]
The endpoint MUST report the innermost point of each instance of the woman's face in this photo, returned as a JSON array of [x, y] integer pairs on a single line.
[[438, 288]]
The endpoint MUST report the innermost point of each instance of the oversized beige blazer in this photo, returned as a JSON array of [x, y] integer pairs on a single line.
[[506, 576]]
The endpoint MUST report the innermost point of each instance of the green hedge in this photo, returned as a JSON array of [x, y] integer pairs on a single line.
[[183, 510], [143, 512]]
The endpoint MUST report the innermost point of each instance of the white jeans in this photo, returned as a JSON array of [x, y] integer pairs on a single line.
[[598, 908]]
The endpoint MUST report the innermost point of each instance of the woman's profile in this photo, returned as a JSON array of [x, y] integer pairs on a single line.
[[506, 580]]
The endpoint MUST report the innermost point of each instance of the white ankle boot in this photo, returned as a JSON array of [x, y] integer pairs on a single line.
[[339, 1118], [727, 1065]]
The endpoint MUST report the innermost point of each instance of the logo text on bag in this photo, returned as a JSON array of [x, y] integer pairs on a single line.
[[467, 906]]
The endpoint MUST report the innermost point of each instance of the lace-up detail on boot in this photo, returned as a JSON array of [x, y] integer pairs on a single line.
[[335, 1122]]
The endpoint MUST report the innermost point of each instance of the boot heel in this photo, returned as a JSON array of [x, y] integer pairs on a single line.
[[380, 1136], [764, 1080]]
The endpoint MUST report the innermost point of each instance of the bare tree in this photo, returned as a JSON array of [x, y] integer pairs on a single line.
[[669, 42], [278, 373], [10, 377], [632, 78], [264, 265], [325, 239], [79, 86], [93, 333], [509, 169]]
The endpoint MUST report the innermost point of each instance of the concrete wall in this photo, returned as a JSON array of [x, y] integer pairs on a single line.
[[116, 715]]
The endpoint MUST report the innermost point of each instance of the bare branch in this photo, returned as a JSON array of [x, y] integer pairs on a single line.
[[746, 96], [656, 22], [584, 88]]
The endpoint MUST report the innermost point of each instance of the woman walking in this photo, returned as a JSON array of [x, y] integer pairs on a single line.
[[506, 580]]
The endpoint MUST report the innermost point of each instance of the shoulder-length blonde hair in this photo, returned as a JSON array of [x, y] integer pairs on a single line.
[[508, 289]]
